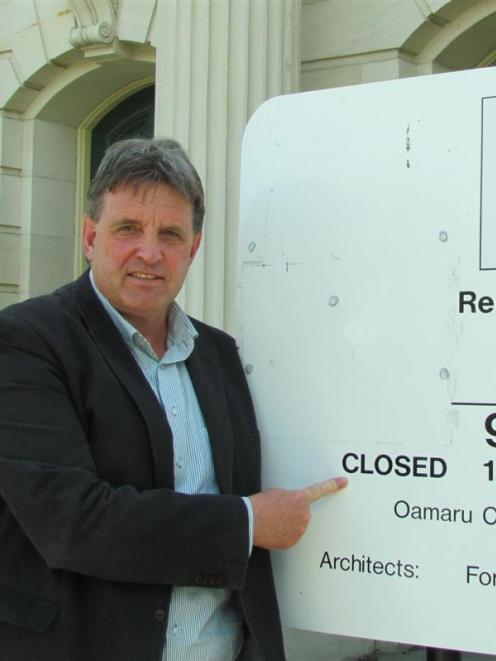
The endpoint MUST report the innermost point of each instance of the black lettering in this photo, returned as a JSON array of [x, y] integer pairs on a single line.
[[466, 298], [363, 469], [441, 467], [349, 455], [489, 424], [486, 304], [325, 560], [485, 578], [401, 509], [402, 465], [389, 568], [420, 466], [490, 468], [490, 429], [388, 467], [471, 572], [489, 515]]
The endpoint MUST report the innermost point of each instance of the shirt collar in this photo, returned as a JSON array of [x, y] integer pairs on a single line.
[[181, 333]]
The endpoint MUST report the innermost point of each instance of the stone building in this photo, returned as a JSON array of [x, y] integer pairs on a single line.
[[77, 74]]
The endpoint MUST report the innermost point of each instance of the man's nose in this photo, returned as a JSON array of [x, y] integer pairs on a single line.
[[149, 250]]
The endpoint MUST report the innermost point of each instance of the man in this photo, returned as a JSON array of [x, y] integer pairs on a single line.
[[132, 526]]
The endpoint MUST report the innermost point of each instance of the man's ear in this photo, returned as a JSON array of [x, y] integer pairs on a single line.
[[89, 233], [196, 244]]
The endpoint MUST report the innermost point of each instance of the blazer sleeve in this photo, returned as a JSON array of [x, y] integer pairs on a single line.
[[78, 522]]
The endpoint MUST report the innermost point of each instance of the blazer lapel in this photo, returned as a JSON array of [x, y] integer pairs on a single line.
[[119, 358], [206, 375]]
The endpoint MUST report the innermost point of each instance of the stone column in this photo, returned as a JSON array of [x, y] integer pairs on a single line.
[[217, 61]]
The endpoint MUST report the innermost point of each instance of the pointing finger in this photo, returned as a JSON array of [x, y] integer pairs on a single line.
[[316, 491]]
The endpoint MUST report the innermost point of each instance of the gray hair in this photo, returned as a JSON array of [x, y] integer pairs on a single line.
[[147, 161]]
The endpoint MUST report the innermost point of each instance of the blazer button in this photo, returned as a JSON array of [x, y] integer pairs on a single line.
[[159, 615]]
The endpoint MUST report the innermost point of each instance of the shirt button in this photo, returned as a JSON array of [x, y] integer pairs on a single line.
[[175, 629], [180, 463], [159, 615], [174, 410]]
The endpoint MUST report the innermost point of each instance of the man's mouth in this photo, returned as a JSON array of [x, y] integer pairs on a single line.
[[144, 276]]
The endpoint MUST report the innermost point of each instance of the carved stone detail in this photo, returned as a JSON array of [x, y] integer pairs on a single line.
[[95, 22], [102, 33]]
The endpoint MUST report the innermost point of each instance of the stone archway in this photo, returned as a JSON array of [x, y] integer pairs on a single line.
[[460, 35]]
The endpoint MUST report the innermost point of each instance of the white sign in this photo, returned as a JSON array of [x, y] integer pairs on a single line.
[[367, 324]]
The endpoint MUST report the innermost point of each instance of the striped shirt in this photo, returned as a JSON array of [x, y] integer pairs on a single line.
[[204, 624]]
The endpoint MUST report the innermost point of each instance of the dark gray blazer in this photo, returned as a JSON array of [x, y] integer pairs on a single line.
[[92, 534]]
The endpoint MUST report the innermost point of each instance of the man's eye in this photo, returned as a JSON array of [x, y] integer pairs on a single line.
[[127, 229], [171, 234]]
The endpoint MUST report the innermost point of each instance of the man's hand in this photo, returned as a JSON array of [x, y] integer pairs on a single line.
[[281, 516]]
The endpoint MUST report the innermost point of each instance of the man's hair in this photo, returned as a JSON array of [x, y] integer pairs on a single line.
[[141, 161]]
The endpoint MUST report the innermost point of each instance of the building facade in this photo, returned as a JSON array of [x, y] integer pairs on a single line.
[[66, 65]]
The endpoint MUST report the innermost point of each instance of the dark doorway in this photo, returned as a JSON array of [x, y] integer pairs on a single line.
[[132, 118]]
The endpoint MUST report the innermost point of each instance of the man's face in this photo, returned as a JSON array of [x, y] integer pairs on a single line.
[[141, 248]]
